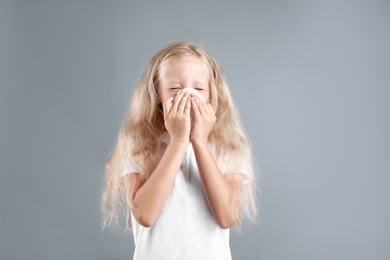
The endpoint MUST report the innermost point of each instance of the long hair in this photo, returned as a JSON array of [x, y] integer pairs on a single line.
[[144, 123]]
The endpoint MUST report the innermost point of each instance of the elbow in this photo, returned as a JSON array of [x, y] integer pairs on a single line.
[[226, 225], [145, 222], [227, 221], [143, 216], [143, 219]]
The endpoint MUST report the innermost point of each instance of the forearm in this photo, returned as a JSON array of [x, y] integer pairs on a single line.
[[217, 189], [152, 196]]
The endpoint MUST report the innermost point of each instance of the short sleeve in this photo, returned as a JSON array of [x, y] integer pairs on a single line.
[[222, 166], [245, 175], [129, 166]]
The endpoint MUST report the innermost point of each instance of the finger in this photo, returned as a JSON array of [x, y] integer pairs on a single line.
[[195, 107], [183, 101], [200, 104], [187, 108], [177, 99], [210, 109], [167, 106]]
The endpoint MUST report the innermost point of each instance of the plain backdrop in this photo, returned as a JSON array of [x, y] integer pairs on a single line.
[[311, 80]]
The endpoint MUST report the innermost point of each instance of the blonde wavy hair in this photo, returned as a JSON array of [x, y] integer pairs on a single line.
[[144, 123]]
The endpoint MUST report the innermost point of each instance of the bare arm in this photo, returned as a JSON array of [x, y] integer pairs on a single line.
[[222, 191], [146, 200]]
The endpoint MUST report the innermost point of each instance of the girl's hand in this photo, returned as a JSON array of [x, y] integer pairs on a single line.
[[177, 117], [203, 121]]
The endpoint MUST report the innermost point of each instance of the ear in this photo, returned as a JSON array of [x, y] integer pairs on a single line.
[[160, 106], [158, 101]]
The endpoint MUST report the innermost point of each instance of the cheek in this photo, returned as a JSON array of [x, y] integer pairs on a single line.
[[164, 95], [206, 95]]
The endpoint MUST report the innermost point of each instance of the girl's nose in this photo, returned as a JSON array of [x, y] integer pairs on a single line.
[[192, 91]]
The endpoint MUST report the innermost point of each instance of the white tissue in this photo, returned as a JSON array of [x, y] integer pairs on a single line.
[[192, 91]]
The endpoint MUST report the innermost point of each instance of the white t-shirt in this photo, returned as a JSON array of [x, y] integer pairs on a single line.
[[185, 228]]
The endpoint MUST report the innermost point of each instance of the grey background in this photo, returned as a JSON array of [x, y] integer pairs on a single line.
[[310, 79]]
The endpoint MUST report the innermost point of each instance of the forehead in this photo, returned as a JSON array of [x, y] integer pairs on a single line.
[[187, 67]]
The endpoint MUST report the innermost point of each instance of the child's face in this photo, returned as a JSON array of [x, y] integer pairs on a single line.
[[187, 72]]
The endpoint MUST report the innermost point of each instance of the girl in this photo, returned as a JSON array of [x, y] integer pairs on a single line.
[[182, 166]]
